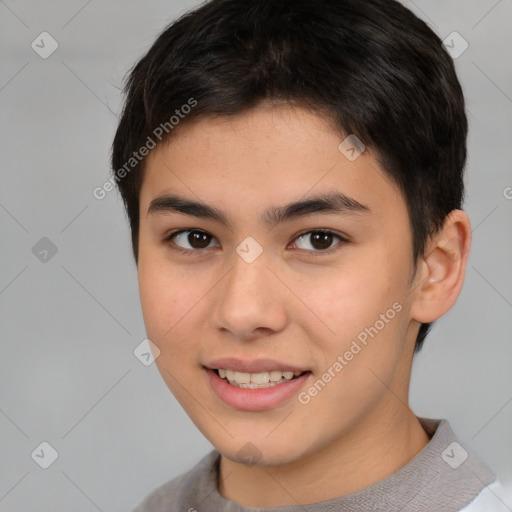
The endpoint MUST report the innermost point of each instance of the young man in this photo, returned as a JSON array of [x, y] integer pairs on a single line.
[[293, 175]]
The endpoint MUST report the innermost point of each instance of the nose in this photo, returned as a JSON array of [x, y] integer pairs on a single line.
[[250, 301]]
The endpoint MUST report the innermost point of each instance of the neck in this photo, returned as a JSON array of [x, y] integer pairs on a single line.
[[382, 443]]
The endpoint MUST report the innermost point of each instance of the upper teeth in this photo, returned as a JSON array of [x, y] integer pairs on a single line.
[[257, 378]]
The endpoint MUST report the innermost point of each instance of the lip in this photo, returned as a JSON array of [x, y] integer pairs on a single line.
[[245, 399], [254, 366]]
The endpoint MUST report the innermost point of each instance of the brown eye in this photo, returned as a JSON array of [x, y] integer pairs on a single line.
[[318, 241], [321, 240], [198, 239], [191, 239]]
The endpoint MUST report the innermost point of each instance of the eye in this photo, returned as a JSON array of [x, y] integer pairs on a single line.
[[315, 242], [195, 238], [319, 241]]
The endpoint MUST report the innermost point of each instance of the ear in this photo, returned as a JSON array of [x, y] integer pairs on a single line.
[[440, 273]]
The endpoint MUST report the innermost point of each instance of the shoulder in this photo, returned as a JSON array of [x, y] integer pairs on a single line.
[[163, 497], [491, 499], [175, 493]]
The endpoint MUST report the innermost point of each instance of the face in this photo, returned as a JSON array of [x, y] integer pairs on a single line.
[[280, 328]]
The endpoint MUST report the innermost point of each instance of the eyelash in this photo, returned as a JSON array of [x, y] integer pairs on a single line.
[[195, 252]]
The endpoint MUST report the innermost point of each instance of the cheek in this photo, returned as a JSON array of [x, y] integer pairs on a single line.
[[174, 309], [363, 304], [165, 297], [168, 308], [159, 303], [350, 297]]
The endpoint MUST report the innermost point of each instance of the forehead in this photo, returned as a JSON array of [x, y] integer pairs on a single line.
[[265, 156]]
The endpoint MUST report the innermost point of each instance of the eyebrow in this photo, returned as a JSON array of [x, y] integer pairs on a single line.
[[333, 202]]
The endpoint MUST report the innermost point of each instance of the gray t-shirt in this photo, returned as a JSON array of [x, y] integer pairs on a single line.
[[445, 476]]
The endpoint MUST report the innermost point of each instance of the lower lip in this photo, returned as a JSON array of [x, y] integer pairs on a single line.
[[261, 399]]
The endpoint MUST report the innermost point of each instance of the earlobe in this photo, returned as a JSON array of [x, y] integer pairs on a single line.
[[441, 271]]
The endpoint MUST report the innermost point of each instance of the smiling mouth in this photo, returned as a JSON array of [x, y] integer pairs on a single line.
[[258, 380]]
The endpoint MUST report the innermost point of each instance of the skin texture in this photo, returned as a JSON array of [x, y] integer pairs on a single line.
[[291, 305]]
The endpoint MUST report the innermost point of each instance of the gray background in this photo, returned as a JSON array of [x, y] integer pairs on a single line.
[[69, 325]]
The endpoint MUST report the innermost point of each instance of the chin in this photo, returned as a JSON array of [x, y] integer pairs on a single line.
[[252, 451]]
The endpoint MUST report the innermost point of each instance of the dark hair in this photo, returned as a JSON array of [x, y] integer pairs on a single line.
[[372, 68]]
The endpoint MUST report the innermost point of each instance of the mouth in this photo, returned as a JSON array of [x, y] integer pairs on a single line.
[[258, 380], [256, 391]]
